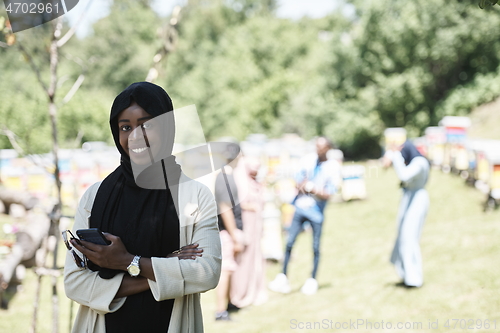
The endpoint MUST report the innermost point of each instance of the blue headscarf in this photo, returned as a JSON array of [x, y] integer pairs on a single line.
[[409, 152]]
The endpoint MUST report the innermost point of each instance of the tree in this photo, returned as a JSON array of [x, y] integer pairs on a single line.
[[485, 3], [236, 65], [408, 56], [121, 46], [49, 39], [396, 63]]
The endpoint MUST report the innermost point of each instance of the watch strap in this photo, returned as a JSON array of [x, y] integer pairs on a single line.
[[134, 263]]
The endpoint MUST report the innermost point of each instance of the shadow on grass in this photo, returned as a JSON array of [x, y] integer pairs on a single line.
[[324, 285], [401, 285]]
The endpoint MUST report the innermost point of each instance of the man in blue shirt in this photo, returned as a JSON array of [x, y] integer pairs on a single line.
[[316, 181]]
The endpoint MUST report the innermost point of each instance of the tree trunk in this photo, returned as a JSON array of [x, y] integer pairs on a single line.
[[38, 287], [28, 241], [8, 197], [56, 213]]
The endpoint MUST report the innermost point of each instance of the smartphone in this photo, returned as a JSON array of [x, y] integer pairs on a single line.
[[93, 235]]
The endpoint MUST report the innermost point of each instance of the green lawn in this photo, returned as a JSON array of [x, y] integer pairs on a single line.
[[18, 317], [460, 248]]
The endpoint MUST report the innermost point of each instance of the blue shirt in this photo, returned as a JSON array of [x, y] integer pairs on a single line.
[[324, 175]]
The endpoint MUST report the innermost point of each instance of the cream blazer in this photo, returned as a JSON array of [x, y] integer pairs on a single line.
[[181, 280]]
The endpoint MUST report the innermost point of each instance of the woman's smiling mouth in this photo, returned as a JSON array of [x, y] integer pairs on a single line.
[[138, 150]]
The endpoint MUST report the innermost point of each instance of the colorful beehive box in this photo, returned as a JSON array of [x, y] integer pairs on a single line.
[[494, 180], [455, 154], [435, 138], [394, 136], [353, 182]]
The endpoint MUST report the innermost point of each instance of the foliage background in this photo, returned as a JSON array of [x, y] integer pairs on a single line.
[[401, 63]]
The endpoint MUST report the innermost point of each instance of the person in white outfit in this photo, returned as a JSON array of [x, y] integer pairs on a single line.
[[413, 171]]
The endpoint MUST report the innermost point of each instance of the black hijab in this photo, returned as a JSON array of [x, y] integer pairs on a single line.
[[145, 219]]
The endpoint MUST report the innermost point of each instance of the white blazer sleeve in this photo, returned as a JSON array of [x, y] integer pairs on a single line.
[[406, 173], [82, 285], [176, 278]]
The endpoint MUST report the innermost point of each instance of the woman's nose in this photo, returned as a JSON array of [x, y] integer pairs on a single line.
[[135, 134]]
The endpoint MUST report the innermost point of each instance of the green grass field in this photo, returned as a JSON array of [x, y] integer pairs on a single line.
[[460, 249]]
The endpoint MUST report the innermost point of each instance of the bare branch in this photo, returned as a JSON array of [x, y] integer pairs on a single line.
[[78, 139], [72, 31], [73, 89], [12, 139], [77, 84], [169, 38], [152, 75], [20, 151], [76, 60], [54, 58], [33, 66]]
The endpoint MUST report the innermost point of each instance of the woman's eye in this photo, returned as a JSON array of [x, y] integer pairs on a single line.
[[146, 125], [125, 128]]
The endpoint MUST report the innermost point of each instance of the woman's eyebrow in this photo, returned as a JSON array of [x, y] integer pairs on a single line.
[[143, 118]]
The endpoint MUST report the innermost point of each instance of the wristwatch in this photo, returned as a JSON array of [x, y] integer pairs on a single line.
[[134, 269]]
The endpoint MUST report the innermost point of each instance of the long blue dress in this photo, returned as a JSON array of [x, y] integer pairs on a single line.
[[413, 208]]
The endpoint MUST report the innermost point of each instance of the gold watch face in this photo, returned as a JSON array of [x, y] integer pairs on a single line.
[[133, 270]]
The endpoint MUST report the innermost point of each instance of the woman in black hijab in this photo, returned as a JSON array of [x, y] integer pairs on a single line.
[[413, 171], [148, 209]]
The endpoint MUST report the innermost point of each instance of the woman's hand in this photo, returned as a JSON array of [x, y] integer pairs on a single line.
[[387, 159], [190, 251], [113, 256]]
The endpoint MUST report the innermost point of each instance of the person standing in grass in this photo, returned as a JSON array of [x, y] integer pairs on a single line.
[[227, 197], [316, 182], [162, 226], [413, 171], [248, 285]]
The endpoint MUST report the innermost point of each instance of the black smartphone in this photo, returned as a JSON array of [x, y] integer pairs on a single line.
[[93, 235]]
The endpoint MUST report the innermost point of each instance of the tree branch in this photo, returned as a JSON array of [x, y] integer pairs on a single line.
[[169, 37], [77, 84], [78, 139], [20, 151], [12, 139], [72, 31], [33, 66], [73, 89]]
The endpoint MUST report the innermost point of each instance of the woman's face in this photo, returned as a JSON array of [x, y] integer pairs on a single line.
[[137, 138]]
